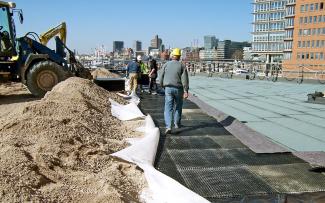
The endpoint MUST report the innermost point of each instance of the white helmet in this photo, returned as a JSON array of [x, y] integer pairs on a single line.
[[139, 58]]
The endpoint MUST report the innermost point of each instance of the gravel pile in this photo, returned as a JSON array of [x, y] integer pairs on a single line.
[[57, 149]]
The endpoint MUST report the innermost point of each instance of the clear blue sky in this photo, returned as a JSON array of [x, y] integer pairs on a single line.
[[99, 22]]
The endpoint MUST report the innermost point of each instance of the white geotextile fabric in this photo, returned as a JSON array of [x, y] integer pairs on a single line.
[[162, 189], [125, 112]]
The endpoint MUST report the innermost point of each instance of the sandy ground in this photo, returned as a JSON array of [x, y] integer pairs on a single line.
[[56, 149]]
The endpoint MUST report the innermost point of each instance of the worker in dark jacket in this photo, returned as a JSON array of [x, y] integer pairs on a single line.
[[133, 70], [174, 78]]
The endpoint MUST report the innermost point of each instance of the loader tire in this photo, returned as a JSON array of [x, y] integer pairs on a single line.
[[43, 76]]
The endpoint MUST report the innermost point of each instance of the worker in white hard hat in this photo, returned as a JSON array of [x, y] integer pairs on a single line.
[[174, 78]]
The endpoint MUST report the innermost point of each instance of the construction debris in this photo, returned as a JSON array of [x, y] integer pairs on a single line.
[[57, 149]]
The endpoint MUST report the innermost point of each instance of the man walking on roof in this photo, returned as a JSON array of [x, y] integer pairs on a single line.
[[174, 78]]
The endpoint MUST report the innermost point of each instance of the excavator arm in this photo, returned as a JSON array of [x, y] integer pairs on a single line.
[[60, 30]]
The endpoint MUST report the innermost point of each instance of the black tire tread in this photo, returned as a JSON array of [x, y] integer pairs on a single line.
[[40, 66]]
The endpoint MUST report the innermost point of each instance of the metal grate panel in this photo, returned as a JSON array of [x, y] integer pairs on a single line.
[[248, 157], [224, 182], [201, 158], [290, 178], [192, 142]]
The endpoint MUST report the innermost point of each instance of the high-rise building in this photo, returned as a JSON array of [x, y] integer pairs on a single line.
[[268, 29], [137, 45], [210, 42], [306, 40], [118, 46], [223, 50], [156, 42]]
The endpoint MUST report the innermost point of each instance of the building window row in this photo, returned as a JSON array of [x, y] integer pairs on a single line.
[[289, 34], [267, 46], [310, 56], [312, 7], [312, 19], [289, 22], [288, 45], [269, 16], [274, 5], [313, 31], [311, 44], [266, 38], [269, 26], [290, 10]]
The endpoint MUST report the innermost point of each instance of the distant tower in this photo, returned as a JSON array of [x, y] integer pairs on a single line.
[[137, 45], [156, 42]]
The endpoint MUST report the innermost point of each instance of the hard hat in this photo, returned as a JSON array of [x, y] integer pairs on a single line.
[[139, 58], [176, 52]]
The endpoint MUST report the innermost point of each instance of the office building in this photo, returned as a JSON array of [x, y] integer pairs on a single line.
[[307, 46], [137, 45], [118, 46], [208, 54], [156, 42], [223, 50], [210, 42], [268, 29]]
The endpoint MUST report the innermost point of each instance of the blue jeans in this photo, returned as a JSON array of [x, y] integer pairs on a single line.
[[173, 105]]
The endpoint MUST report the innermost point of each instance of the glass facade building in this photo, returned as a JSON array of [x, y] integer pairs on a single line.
[[210, 42], [269, 28]]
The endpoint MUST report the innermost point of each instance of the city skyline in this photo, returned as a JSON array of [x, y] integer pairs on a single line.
[[178, 23]]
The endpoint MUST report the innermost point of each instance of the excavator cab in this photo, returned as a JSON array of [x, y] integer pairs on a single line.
[[7, 35]]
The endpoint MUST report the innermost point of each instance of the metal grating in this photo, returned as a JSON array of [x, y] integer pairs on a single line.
[[201, 158], [290, 178], [248, 157], [168, 167], [192, 142], [224, 182]]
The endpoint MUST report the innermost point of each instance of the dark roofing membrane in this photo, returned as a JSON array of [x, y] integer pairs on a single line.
[[225, 161]]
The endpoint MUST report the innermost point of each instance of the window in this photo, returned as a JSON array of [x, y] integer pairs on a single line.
[[311, 8], [303, 44], [317, 56], [310, 19], [313, 43], [318, 31], [316, 6], [308, 43], [320, 19], [322, 44], [305, 20], [307, 55], [298, 55], [317, 43], [321, 6], [306, 7], [311, 55], [301, 20], [302, 8], [300, 32], [314, 31], [321, 55], [315, 19]]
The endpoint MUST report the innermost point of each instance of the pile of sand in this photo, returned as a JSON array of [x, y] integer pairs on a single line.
[[57, 149], [103, 73]]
